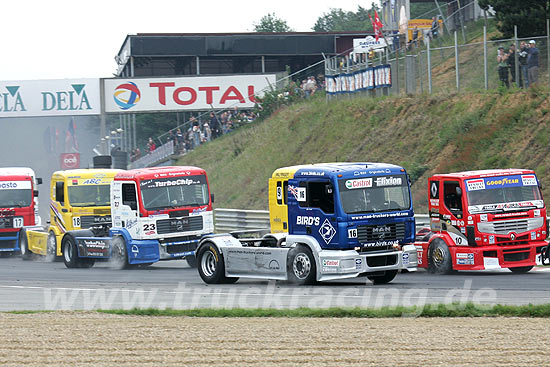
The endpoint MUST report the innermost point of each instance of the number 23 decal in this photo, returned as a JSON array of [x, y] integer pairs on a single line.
[[149, 227]]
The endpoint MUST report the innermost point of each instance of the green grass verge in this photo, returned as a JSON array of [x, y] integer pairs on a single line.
[[439, 310]]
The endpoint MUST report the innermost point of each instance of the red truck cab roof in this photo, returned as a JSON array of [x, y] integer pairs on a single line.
[[482, 173], [159, 172]]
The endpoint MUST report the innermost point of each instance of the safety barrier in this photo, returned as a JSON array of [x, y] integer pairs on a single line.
[[155, 157], [229, 220]]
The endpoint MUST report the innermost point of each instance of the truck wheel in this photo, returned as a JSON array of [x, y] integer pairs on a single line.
[[388, 276], [24, 245], [211, 265], [51, 248], [119, 256], [191, 261], [521, 269], [301, 268], [70, 252], [439, 258]]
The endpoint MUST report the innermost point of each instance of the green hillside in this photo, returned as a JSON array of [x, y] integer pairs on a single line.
[[425, 134]]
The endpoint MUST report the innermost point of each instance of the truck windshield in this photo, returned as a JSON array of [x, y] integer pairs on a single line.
[[374, 194], [174, 192], [14, 197], [516, 192], [90, 195]]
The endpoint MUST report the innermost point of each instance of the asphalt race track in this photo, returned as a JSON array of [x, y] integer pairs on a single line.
[[36, 285]]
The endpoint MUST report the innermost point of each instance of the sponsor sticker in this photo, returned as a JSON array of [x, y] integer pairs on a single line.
[[389, 181], [477, 184], [15, 185], [405, 258], [359, 183], [307, 221], [328, 262], [529, 180], [327, 231]]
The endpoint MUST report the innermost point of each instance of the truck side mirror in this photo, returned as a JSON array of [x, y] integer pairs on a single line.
[[212, 198], [39, 180], [35, 193], [458, 191]]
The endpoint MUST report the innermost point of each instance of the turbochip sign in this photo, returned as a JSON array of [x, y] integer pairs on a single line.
[[184, 93], [63, 97]]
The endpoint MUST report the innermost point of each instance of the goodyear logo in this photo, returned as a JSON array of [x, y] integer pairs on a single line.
[[502, 182]]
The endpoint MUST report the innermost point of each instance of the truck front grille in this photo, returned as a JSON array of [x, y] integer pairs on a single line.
[[6, 222], [508, 226], [86, 221], [384, 232], [185, 224], [176, 249]]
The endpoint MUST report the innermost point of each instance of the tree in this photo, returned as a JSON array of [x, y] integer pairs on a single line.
[[338, 20], [529, 15], [270, 23]]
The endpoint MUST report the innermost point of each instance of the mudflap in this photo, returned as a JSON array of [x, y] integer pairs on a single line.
[[94, 247], [545, 255]]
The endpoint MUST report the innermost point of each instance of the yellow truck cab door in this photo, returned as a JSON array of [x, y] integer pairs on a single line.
[[278, 210]]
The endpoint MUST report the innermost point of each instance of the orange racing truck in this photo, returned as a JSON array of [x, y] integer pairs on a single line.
[[482, 220]]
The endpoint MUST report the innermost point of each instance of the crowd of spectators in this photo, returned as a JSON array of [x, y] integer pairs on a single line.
[[199, 130], [528, 58]]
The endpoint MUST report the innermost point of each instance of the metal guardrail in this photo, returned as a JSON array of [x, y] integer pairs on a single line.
[[230, 220], [157, 155]]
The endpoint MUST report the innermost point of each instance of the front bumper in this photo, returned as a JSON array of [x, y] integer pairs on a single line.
[[347, 264], [9, 241], [496, 256]]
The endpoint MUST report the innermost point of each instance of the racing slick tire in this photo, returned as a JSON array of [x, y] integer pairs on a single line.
[[301, 267], [51, 248], [191, 261], [119, 255], [24, 245], [440, 260], [211, 265], [388, 276], [521, 269], [70, 254]]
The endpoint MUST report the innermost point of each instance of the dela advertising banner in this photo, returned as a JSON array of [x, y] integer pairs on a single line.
[[49, 97]]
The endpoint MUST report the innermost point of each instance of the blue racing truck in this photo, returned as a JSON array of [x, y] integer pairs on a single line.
[[328, 221]]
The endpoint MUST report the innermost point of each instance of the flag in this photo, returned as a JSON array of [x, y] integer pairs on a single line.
[[71, 143], [376, 25]]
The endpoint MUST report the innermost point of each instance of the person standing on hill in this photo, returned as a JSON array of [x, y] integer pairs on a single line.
[[512, 62], [502, 62], [533, 63], [523, 69]]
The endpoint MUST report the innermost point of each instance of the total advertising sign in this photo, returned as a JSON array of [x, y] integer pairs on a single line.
[[69, 160], [184, 93], [49, 97]]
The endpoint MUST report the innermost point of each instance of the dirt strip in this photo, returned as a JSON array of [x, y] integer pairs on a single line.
[[94, 339]]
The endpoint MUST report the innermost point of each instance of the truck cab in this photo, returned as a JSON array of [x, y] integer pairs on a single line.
[[481, 220], [18, 205], [329, 221], [79, 199]]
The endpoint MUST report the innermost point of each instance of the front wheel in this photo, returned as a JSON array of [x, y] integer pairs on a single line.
[[388, 276], [439, 258], [301, 268], [521, 269], [51, 248], [211, 265], [24, 245], [119, 256]]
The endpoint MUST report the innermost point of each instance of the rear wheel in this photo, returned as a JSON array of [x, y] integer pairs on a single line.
[[301, 268], [388, 276], [119, 256], [24, 245], [521, 269], [211, 265], [439, 258]]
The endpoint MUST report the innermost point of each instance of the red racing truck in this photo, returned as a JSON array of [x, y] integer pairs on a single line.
[[18, 205], [481, 220]]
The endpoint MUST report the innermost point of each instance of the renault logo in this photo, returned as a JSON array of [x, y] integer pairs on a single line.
[[513, 236]]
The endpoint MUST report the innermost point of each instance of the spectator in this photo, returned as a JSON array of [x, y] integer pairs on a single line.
[[215, 125], [502, 62], [523, 69], [512, 62], [415, 36], [303, 87], [196, 136], [206, 132], [151, 146], [533, 63], [435, 28], [179, 141]]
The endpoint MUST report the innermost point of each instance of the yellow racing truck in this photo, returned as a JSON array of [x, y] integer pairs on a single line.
[[79, 199]]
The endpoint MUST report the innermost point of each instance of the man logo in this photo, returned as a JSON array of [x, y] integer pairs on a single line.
[[127, 95]]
